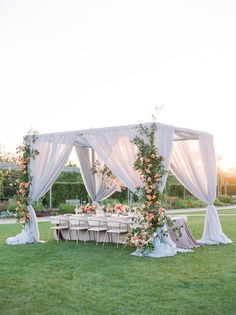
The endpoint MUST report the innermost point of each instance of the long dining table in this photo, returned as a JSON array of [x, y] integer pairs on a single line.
[[184, 241]]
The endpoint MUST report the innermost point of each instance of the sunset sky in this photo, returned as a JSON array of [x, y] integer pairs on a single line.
[[67, 65]]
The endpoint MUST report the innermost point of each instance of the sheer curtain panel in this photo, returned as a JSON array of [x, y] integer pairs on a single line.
[[114, 148], [94, 182], [193, 163]]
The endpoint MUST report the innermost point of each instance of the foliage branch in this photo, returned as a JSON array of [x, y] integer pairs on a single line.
[[108, 177]]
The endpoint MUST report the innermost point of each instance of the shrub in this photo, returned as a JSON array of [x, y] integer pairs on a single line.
[[66, 208], [12, 205], [179, 203], [218, 202], [110, 201], [3, 205], [7, 214], [225, 199], [38, 206], [198, 203]]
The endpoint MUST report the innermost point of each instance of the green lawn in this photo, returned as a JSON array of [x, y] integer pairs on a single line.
[[81, 279]]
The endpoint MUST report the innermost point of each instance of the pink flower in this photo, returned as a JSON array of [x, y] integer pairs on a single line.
[[22, 220], [150, 217]]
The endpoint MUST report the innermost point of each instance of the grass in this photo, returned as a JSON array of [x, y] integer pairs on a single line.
[[82, 279]]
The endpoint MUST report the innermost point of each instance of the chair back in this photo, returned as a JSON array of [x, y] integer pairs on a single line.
[[78, 221], [59, 219], [118, 224], [96, 221], [54, 220]]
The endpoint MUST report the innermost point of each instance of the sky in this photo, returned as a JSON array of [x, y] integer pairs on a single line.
[[70, 65]]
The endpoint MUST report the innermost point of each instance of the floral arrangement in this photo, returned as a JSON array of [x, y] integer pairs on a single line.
[[118, 209], [107, 176], [23, 182], [87, 209], [149, 165]]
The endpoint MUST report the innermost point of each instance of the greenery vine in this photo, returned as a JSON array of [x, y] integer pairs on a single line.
[[23, 182], [149, 164]]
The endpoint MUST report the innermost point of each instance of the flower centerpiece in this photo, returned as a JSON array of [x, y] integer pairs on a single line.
[[118, 209], [24, 179], [87, 209], [151, 214]]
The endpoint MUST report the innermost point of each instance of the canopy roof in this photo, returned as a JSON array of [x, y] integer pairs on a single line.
[[188, 153], [78, 136]]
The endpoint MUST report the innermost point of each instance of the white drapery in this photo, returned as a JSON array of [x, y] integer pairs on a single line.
[[114, 148], [94, 182], [47, 166], [165, 136], [193, 164], [44, 169], [212, 233]]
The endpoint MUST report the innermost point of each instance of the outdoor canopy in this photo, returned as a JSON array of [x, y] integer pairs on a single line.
[[189, 154]]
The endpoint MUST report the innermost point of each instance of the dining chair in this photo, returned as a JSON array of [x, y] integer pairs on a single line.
[[58, 224], [77, 224], [96, 225], [118, 227]]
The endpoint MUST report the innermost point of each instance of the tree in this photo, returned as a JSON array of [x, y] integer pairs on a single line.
[[6, 190], [6, 156]]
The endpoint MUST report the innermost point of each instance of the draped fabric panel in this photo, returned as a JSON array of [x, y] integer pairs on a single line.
[[193, 164], [94, 182], [186, 165], [114, 148], [46, 167], [164, 144], [212, 233]]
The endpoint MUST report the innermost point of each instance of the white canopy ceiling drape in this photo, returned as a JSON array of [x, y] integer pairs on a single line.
[[188, 153]]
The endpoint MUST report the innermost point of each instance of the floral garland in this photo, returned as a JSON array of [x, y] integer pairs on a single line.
[[149, 164], [24, 180]]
